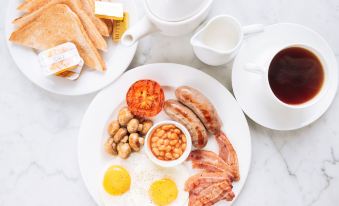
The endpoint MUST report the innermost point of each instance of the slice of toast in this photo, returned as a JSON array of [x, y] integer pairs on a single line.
[[75, 6], [92, 2], [109, 24], [85, 5], [100, 24], [56, 25]]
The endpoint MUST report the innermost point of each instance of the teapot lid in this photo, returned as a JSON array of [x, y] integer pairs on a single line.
[[175, 10]]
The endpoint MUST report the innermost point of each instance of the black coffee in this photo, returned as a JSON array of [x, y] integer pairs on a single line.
[[295, 75]]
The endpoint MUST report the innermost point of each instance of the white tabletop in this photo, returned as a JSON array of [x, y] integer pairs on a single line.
[[38, 130]]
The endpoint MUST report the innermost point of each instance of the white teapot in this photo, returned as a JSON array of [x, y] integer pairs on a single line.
[[170, 17]]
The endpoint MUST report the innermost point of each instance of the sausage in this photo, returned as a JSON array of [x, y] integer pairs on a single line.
[[182, 114], [201, 106]]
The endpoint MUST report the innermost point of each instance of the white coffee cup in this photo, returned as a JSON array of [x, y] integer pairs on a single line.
[[262, 69], [219, 40]]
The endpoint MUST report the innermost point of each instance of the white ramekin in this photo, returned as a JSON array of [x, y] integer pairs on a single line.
[[171, 163]]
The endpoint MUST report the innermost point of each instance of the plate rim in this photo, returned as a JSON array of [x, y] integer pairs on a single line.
[[102, 93], [129, 60]]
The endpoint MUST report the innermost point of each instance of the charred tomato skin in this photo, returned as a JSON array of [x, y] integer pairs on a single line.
[[145, 98]]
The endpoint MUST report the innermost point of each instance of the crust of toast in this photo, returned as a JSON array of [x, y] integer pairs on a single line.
[[32, 5], [75, 6], [45, 32], [101, 26], [109, 24]]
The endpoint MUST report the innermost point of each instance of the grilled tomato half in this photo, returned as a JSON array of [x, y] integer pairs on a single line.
[[145, 98]]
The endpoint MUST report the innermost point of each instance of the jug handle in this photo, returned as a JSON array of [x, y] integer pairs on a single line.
[[138, 31], [254, 28]]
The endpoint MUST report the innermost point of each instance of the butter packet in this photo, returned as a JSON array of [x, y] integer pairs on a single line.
[[73, 74], [109, 10], [60, 59], [119, 27]]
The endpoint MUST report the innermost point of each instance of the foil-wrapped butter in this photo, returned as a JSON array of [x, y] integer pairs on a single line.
[[60, 60], [119, 27], [109, 10], [73, 74]]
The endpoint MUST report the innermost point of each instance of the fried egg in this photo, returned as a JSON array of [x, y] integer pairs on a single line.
[[117, 180], [163, 192], [149, 184]]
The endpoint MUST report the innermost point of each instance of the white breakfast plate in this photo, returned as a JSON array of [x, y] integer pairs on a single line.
[[249, 88], [117, 58], [92, 158]]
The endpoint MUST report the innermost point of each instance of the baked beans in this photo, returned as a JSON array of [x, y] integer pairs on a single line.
[[167, 142]]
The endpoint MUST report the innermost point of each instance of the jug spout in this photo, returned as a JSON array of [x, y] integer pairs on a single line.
[[205, 43], [196, 40], [138, 31]]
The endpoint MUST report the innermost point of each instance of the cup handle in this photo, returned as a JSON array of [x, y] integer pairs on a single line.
[[254, 68], [254, 28]]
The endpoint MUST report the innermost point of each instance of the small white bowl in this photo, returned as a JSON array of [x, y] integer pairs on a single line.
[[170, 163]]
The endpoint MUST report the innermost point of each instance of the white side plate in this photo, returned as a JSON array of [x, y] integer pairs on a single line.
[[117, 60]]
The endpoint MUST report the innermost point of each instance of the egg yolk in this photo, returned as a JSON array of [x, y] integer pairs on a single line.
[[117, 180], [163, 192]]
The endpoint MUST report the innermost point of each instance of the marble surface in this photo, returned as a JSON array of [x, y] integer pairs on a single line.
[[38, 130]]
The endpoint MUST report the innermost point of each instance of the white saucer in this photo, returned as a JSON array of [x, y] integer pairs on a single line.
[[249, 88]]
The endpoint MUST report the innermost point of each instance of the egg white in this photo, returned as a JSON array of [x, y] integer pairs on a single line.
[[143, 173]]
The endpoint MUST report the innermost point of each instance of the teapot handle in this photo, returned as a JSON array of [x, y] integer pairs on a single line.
[[138, 31]]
